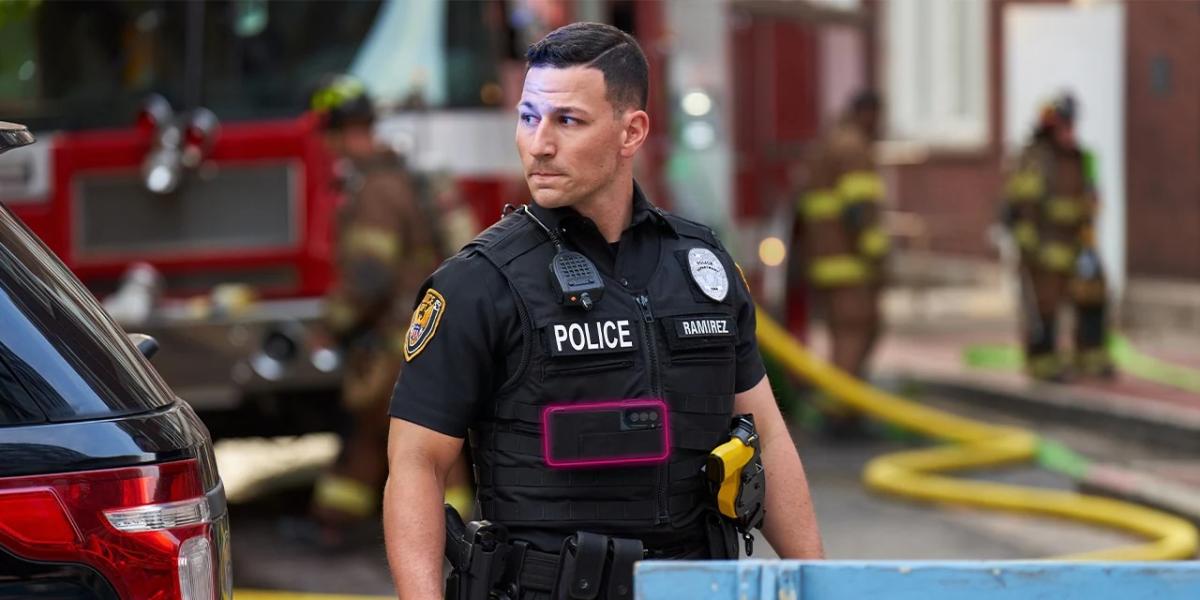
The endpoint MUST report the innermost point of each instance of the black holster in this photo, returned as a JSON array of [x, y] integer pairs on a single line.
[[486, 565], [479, 555], [722, 536]]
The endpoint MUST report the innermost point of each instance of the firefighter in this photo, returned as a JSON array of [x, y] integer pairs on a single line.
[[840, 234], [594, 348], [386, 244], [1050, 207], [456, 225]]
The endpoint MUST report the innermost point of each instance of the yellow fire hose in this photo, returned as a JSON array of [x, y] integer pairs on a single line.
[[918, 473]]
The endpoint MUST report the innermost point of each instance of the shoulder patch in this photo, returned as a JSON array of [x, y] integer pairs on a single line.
[[424, 323]]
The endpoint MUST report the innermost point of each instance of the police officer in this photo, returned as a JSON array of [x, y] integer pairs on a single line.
[[505, 348], [1050, 206], [840, 234], [385, 248]]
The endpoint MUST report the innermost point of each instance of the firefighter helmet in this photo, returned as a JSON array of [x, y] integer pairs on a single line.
[[341, 100], [1059, 109]]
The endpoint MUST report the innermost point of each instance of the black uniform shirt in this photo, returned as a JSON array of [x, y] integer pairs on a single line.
[[466, 360]]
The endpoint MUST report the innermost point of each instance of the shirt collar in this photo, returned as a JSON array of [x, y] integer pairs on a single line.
[[643, 210]]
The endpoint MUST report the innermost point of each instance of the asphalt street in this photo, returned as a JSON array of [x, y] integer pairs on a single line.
[[269, 486]]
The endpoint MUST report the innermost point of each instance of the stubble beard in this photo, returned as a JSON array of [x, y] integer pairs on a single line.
[[550, 197]]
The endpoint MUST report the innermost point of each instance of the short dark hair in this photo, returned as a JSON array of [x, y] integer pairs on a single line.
[[865, 101], [603, 47]]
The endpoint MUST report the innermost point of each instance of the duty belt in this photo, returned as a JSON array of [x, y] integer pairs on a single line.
[[533, 570], [486, 565]]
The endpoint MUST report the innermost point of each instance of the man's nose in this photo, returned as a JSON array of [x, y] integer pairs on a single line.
[[543, 143]]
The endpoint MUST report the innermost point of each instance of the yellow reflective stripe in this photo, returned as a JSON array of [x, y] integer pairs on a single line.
[[1057, 256], [1025, 185], [423, 256], [842, 269], [1094, 361], [383, 244], [340, 314], [1063, 210], [340, 91], [820, 205], [858, 186], [873, 243], [345, 495], [1088, 292], [1044, 366], [1026, 235]]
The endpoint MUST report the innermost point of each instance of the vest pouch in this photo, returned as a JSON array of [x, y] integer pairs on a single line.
[[597, 567], [576, 349], [702, 358], [581, 567], [576, 367], [600, 434], [702, 352]]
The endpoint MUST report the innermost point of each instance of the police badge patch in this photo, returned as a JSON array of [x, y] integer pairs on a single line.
[[708, 273], [424, 323]]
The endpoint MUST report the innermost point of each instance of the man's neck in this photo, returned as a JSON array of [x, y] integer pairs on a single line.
[[611, 209]]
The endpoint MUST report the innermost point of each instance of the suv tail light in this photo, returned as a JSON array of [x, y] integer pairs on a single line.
[[149, 530]]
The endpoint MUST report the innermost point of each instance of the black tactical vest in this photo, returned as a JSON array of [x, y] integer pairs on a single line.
[[670, 342]]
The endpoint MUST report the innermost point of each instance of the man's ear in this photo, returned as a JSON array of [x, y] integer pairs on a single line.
[[635, 128]]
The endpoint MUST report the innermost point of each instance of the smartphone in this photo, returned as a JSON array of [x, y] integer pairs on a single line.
[[606, 434]]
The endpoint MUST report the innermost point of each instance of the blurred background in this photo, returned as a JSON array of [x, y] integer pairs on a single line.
[[181, 176]]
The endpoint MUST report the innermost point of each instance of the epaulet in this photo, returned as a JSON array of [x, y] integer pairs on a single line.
[[692, 229], [510, 237]]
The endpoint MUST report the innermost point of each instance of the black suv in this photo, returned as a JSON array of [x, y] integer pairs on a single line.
[[108, 486]]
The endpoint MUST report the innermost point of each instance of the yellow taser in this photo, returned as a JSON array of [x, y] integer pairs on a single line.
[[735, 472]]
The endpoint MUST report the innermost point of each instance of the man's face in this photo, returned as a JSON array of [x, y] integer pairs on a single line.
[[568, 135], [1064, 134], [334, 142], [353, 140], [869, 121]]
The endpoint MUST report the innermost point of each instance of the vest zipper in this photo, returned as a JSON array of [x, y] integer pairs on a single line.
[[643, 302]]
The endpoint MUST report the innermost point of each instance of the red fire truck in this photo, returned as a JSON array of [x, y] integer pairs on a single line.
[[173, 134]]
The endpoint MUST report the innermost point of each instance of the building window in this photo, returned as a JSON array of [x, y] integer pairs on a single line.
[[935, 58]]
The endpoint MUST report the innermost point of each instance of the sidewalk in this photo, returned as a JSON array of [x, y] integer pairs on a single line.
[[931, 326], [1126, 406]]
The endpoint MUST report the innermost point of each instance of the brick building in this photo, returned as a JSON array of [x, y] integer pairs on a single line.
[[954, 184]]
